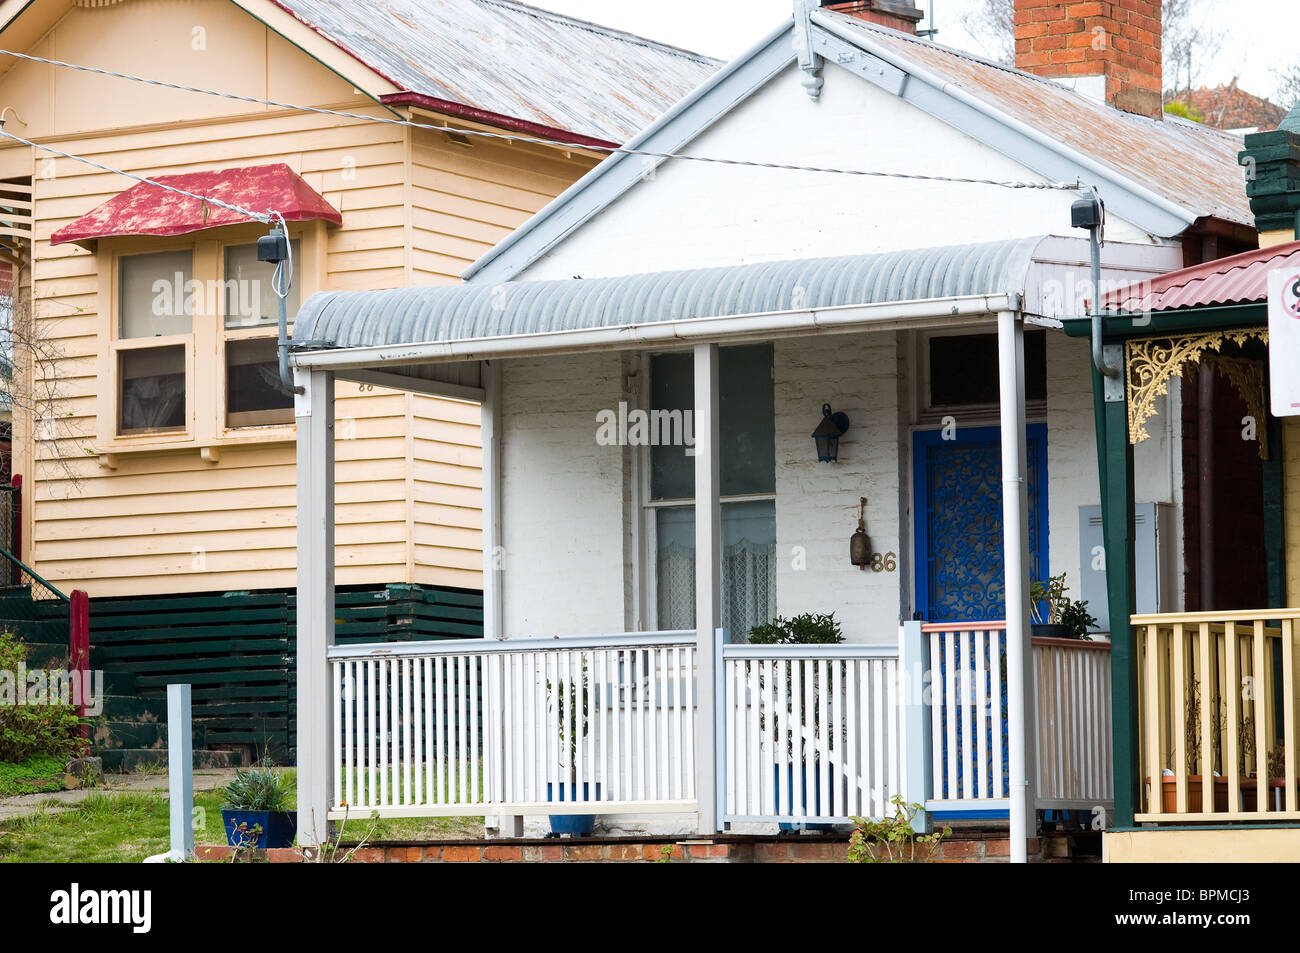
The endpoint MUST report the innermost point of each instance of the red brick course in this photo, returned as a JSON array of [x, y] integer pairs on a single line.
[[961, 847]]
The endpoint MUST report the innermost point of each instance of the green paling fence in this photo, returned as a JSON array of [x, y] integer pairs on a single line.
[[237, 651]]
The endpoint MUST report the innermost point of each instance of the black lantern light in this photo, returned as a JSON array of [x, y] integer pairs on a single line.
[[828, 433]]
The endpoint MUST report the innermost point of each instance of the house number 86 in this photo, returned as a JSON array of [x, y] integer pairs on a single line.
[[884, 562]]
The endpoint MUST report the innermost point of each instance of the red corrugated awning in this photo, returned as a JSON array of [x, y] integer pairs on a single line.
[[1241, 279], [146, 209]]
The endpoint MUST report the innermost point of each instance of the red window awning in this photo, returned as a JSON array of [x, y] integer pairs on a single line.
[[146, 209]]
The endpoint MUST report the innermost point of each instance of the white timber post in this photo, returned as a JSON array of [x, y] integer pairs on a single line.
[[180, 771], [180, 778], [913, 665], [314, 416], [1015, 542], [708, 582], [493, 592]]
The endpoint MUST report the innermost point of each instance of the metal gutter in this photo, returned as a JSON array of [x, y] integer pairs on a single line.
[[474, 114]]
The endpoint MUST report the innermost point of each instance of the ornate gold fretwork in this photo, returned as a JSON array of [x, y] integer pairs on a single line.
[[1151, 363]]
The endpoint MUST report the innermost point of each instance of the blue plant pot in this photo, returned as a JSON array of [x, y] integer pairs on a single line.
[[576, 825], [260, 829], [799, 795]]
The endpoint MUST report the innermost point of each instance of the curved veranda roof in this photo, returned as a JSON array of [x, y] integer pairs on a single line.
[[351, 319]]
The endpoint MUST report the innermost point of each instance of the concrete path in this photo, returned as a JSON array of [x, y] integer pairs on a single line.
[[205, 779]]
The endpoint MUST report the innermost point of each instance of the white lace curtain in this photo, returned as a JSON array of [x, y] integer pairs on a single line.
[[748, 586]]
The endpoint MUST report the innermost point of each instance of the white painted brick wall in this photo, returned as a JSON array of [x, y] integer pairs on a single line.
[[1071, 451], [562, 508], [817, 503]]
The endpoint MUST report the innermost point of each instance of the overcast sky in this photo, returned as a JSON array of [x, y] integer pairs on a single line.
[[1252, 48]]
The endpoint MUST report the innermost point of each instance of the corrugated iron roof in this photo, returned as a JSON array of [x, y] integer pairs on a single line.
[[466, 312], [1190, 164], [146, 209], [1241, 279], [512, 60]]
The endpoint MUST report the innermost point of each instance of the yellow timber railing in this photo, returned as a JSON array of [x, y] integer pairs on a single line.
[[1217, 723]]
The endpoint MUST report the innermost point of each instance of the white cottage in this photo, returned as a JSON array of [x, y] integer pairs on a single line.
[[663, 339]]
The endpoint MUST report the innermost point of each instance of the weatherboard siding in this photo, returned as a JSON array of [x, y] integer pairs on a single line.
[[408, 481]]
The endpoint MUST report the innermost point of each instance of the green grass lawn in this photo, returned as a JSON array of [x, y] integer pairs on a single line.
[[129, 826]]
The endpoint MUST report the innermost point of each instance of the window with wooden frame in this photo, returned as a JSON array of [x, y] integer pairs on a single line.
[[747, 454], [254, 393], [189, 352]]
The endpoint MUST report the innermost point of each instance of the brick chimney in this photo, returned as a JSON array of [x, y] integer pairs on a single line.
[[1108, 49], [896, 14]]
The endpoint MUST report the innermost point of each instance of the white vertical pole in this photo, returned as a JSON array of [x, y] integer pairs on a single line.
[[180, 772], [913, 661], [493, 573], [708, 581], [314, 416], [1015, 530]]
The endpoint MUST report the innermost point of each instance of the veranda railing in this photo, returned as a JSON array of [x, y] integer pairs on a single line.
[[1070, 706], [600, 724], [1217, 725]]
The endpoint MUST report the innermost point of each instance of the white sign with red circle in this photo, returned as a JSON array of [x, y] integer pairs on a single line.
[[1284, 341]]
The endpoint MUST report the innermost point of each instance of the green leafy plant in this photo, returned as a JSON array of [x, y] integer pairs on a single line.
[[1049, 605], [259, 788], [561, 695], [809, 628], [1176, 107], [1047, 594], [892, 840], [29, 730], [1076, 617]]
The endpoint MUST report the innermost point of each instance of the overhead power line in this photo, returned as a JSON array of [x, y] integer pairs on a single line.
[[531, 140], [263, 217]]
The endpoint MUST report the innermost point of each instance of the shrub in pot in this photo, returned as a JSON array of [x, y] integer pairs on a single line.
[[1055, 615], [258, 811], [810, 628], [578, 702]]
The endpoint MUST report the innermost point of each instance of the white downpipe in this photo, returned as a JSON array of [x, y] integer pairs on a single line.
[[1011, 392]]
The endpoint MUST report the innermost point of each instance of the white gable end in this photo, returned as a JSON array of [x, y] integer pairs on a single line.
[[697, 215]]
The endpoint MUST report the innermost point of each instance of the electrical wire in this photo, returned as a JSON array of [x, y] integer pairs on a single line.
[[263, 217], [532, 140]]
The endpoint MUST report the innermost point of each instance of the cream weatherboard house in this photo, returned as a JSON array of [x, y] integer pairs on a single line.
[[924, 308], [164, 469]]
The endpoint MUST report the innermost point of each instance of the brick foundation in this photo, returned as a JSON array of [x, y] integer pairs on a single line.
[[963, 847]]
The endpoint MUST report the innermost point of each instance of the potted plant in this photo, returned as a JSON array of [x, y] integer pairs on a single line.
[[258, 809], [810, 628], [1192, 747], [561, 695], [1055, 615]]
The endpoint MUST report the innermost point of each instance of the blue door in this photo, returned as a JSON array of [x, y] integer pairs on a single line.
[[959, 567]]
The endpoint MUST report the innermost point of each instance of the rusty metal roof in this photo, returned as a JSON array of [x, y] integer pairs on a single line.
[[146, 209], [1241, 279], [1187, 163], [505, 60]]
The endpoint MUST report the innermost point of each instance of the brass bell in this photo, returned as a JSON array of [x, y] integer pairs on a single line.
[[860, 542]]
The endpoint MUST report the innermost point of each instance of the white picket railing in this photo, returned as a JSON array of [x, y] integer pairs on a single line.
[[526, 726], [1070, 702], [805, 734], [812, 733]]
